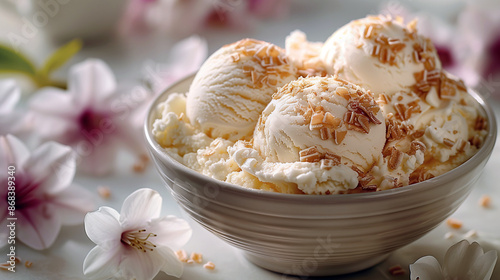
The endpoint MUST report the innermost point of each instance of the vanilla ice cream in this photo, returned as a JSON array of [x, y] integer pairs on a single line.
[[315, 132], [234, 85], [305, 54], [379, 54], [268, 119]]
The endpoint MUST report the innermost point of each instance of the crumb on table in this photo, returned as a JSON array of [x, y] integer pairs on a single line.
[[485, 201], [396, 270], [454, 223], [449, 235], [104, 192], [196, 257], [182, 255], [209, 265]]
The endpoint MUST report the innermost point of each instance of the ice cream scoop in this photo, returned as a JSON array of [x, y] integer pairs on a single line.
[[379, 54], [234, 85], [320, 133], [337, 117]]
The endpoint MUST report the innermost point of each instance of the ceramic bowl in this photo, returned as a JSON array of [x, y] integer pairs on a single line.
[[312, 235]]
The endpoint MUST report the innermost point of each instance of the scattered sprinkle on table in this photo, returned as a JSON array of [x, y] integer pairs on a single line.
[[104, 192], [209, 265], [396, 270], [454, 223], [182, 255], [485, 201]]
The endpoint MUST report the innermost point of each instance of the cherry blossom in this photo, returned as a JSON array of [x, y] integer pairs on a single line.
[[136, 243], [92, 116], [39, 194]]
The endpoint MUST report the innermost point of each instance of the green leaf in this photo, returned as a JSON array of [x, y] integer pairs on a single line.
[[12, 61], [60, 57]]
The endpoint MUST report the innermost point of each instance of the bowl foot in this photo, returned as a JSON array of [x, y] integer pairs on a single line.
[[311, 266]]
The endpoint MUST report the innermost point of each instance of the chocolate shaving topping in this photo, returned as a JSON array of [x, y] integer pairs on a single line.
[[273, 60], [420, 175], [358, 116], [312, 154], [415, 146], [481, 123], [448, 142], [338, 136], [395, 158], [475, 141], [396, 130]]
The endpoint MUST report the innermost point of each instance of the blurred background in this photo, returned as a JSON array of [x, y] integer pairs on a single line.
[[130, 34]]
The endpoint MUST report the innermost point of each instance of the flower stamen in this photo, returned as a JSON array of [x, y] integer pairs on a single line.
[[139, 239]]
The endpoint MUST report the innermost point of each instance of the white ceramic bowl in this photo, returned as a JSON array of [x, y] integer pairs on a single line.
[[313, 235]]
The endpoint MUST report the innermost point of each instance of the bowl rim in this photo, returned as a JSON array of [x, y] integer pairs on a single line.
[[481, 155]]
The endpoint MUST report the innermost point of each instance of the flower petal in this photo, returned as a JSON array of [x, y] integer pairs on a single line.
[[460, 257], [137, 264], [38, 226], [426, 268], [72, 204], [101, 264], [140, 207], [484, 265], [90, 82], [12, 151], [9, 96], [53, 102], [102, 227], [54, 114], [172, 265], [171, 232], [53, 166]]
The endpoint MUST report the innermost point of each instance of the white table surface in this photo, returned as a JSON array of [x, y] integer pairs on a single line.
[[63, 261]]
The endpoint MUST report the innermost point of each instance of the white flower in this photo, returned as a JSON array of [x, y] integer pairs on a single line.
[[136, 243], [463, 261], [92, 117], [45, 198]]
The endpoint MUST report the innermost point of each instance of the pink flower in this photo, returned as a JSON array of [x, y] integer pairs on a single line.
[[37, 192], [91, 116], [136, 243]]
